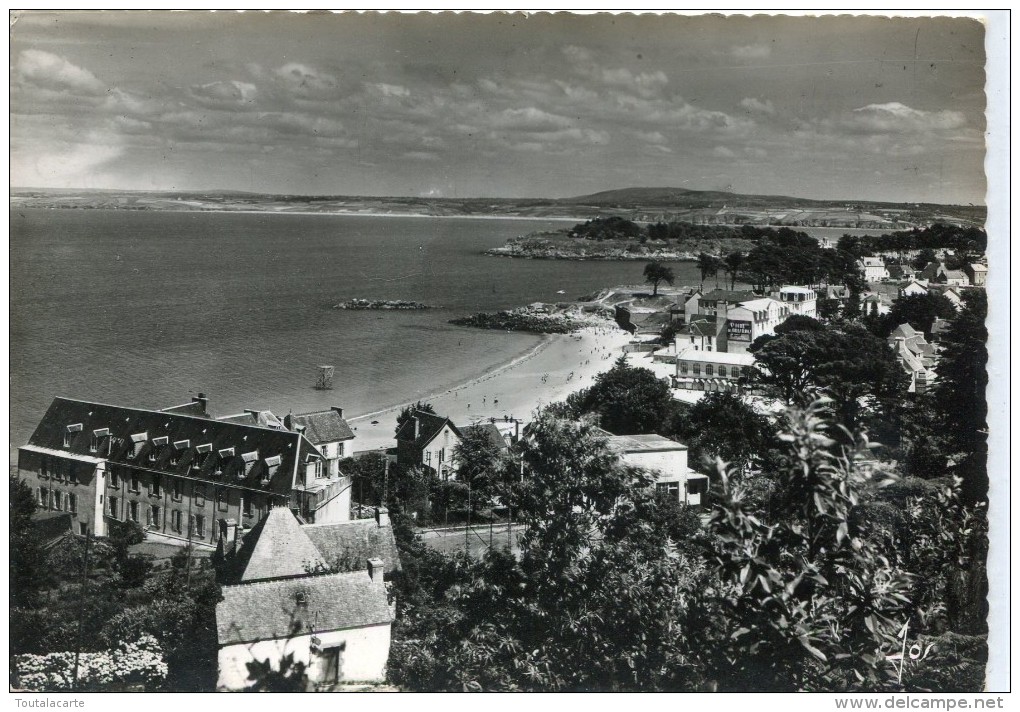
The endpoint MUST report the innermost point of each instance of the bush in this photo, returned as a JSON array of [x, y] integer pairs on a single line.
[[138, 663]]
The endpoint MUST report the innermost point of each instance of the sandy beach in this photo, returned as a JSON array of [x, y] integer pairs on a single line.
[[558, 366]]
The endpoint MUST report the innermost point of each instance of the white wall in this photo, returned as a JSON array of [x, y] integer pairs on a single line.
[[669, 466], [447, 441], [363, 659]]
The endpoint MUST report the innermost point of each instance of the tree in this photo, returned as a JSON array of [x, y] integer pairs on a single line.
[[708, 266], [924, 258], [605, 595], [808, 604], [626, 399], [722, 425], [408, 411], [799, 322], [848, 364], [656, 272], [920, 311], [482, 463], [960, 393], [732, 263]]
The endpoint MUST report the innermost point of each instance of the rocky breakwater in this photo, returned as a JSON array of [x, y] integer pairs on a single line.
[[384, 304], [540, 318]]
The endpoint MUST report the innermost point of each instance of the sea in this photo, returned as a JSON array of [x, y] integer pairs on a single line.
[[147, 309]]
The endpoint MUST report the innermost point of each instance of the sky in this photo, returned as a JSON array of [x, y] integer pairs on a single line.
[[499, 105]]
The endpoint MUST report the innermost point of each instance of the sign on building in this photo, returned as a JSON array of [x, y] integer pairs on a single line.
[[738, 330]]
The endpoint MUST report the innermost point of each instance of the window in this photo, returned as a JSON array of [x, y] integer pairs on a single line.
[[442, 454], [137, 443], [736, 371], [56, 500], [668, 491], [97, 439], [683, 367], [156, 487], [154, 516], [722, 371], [180, 447], [697, 369], [428, 457], [157, 447], [43, 494], [135, 484], [72, 503], [133, 511], [709, 370], [113, 507], [199, 496], [83, 528], [199, 526], [247, 507], [44, 467], [70, 433], [114, 479], [178, 490], [221, 499], [250, 458], [175, 520], [72, 474], [58, 472], [202, 453]]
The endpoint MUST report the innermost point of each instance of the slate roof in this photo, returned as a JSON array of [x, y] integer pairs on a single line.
[[490, 431], [276, 547], [326, 426], [357, 540], [271, 610], [184, 435], [430, 425], [261, 418], [728, 295], [195, 408]]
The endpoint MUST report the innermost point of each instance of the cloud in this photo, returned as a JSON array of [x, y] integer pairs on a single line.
[[303, 80], [48, 71], [67, 164], [752, 51], [723, 152], [228, 93], [391, 90], [752, 104], [649, 136], [529, 119], [895, 117]]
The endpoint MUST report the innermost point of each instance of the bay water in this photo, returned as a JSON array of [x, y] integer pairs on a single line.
[[147, 309]]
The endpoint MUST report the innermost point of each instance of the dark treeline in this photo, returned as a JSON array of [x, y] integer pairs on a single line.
[[937, 236]]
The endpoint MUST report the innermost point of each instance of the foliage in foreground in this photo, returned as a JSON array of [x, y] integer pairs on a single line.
[[790, 587]]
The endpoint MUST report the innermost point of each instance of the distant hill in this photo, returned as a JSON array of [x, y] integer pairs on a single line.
[[685, 198]]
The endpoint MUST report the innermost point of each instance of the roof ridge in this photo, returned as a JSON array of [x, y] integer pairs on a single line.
[[175, 415]]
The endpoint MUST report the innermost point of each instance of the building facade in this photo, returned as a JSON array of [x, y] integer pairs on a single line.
[[429, 440], [710, 370], [667, 460], [174, 474]]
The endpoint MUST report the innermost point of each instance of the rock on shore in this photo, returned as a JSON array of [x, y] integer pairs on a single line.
[[381, 304]]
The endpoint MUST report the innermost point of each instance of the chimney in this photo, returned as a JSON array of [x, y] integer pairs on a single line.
[[200, 398], [382, 516], [376, 569], [417, 427], [228, 535], [517, 430], [339, 411]]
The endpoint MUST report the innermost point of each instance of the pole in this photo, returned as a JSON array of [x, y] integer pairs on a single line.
[[385, 483], [467, 528], [187, 573], [81, 615]]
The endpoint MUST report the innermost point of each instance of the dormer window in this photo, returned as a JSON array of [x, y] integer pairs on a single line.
[[138, 441], [301, 598], [157, 445], [180, 447], [272, 465], [70, 432], [201, 455], [97, 438], [250, 458], [226, 454]]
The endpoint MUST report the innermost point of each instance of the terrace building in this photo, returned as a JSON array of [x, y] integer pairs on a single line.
[[667, 460], [177, 474]]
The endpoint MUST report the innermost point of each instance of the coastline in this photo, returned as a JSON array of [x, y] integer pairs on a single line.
[[326, 213], [559, 365]]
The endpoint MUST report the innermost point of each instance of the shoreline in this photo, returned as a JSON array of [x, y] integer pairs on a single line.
[[548, 372], [520, 358], [325, 213]]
